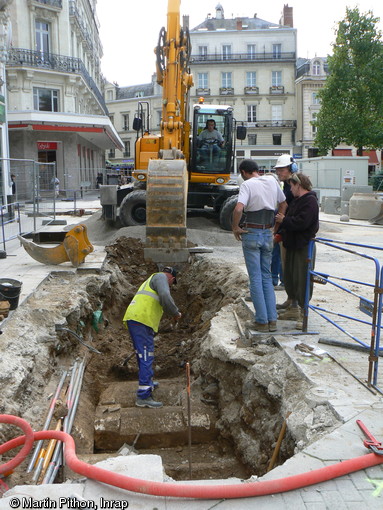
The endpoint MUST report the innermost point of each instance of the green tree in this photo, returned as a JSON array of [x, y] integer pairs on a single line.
[[352, 98]]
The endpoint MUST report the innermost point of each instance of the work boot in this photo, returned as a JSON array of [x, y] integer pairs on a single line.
[[290, 314], [262, 328], [273, 326], [155, 384], [285, 305], [299, 324], [147, 402]]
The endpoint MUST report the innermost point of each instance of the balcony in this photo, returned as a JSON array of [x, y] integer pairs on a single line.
[[226, 91], [251, 90], [242, 57], [277, 89], [272, 124], [202, 92], [51, 3], [19, 57]]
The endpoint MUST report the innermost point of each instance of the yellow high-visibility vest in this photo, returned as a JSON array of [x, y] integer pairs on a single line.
[[145, 307]]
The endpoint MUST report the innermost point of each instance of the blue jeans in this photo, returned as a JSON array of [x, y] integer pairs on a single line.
[[143, 342], [276, 265], [257, 247]]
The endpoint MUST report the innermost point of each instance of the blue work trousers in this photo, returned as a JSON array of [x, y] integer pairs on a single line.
[[143, 342], [257, 246]]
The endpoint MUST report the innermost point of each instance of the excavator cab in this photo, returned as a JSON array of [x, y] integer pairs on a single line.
[[212, 148]]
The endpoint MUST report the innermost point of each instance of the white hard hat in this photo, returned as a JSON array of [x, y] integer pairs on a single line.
[[284, 160]]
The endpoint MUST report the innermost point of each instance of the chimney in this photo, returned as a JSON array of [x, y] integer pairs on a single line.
[[287, 16], [185, 22], [239, 24]]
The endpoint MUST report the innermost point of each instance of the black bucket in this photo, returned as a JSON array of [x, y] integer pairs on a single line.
[[10, 291]]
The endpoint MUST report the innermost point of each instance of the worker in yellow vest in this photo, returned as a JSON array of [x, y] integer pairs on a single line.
[[142, 318]]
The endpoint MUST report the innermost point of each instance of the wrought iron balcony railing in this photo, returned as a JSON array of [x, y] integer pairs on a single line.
[[242, 57], [54, 3], [202, 91], [251, 90], [61, 63], [277, 89], [272, 124], [226, 91]]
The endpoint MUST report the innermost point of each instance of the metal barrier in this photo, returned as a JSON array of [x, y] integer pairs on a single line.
[[371, 307], [10, 222]]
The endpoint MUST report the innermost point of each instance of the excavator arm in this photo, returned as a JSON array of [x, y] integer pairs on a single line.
[[167, 181]]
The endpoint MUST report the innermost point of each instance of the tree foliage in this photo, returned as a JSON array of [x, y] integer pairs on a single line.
[[352, 98]]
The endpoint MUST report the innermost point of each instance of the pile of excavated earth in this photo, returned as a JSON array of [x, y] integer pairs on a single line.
[[239, 397]]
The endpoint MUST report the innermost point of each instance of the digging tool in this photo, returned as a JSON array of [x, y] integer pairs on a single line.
[[127, 359], [189, 416], [279, 442], [307, 349], [371, 443], [74, 248], [58, 327]]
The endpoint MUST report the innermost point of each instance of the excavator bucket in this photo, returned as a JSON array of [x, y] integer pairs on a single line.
[[74, 248]]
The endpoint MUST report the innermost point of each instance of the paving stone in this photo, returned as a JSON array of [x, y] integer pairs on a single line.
[[333, 499], [348, 490], [310, 495]]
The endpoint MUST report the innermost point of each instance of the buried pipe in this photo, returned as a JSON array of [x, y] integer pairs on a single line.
[[234, 491]]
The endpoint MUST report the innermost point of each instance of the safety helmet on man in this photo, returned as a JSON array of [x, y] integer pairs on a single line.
[[284, 160]]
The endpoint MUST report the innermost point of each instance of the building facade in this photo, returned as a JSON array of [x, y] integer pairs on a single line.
[[56, 108], [250, 64]]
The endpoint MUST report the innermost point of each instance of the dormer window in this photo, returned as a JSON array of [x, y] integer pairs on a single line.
[[219, 14], [316, 68]]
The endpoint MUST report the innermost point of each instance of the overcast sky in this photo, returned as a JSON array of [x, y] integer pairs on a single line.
[[129, 28]]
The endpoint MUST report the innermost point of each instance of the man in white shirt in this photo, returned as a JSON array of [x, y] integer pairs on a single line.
[[259, 197]]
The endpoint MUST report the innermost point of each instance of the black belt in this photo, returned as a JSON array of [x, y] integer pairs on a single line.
[[256, 225]]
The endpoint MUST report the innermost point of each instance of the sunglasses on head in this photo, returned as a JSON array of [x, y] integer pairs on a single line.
[[295, 178]]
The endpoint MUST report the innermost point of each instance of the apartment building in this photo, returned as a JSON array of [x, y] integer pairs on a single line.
[[124, 105], [250, 64], [56, 107], [247, 63]]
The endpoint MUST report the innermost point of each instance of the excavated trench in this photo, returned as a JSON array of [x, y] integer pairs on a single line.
[[239, 397]]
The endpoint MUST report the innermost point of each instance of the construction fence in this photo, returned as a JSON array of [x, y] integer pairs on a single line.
[[37, 195]]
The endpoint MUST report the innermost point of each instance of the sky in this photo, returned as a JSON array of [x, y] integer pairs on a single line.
[[129, 29]]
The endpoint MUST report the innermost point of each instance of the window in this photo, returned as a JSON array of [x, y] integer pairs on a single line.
[[251, 49], [276, 114], [315, 98], [127, 149], [111, 117], [42, 37], [109, 95], [276, 78], [202, 81], [226, 80], [312, 152], [251, 79], [125, 121], [226, 52], [316, 67], [313, 128], [251, 113], [252, 139], [277, 139], [277, 50], [202, 52], [139, 93], [45, 100], [112, 153]]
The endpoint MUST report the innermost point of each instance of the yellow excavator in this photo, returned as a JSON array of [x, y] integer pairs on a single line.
[[185, 167]]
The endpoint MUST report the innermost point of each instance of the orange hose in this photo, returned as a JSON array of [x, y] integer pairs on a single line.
[[241, 490]]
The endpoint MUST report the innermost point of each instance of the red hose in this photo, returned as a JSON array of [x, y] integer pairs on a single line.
[[177, 490]]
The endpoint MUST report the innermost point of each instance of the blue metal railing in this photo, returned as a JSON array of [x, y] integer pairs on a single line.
[[371, 307]]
